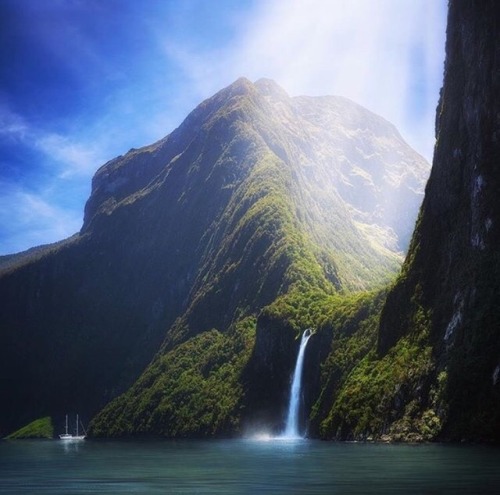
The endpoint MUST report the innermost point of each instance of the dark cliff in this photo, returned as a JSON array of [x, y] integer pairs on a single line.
[[441, 318], [452, 272]]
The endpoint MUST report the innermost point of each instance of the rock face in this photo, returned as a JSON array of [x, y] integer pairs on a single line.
[[452, 272], [254, 194]]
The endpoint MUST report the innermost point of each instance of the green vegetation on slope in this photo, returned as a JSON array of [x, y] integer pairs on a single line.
[[256, 251], [40, 428], [361, 394], [370, 396], [193, 390]]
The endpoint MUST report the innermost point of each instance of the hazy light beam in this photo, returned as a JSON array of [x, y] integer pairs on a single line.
[[360, 49]]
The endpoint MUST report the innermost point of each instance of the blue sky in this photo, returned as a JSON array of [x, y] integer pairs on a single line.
[[82, 81]]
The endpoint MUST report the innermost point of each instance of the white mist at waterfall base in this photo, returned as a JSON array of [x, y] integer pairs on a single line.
[[292, 420]]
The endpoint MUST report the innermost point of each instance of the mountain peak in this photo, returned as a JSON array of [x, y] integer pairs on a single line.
[[242, 86], [269, 87]]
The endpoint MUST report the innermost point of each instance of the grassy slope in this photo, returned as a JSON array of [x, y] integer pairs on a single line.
[[192, 390], [40, 428]]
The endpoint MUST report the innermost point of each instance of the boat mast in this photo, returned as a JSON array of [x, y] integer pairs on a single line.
[[66, 424]]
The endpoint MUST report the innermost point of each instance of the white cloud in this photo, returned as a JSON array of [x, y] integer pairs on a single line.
[[66, 155], [12, 125], [28, 219], [74, 158], [48, 205]]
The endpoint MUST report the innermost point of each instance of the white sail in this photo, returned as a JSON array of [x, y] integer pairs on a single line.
[[69, 436]]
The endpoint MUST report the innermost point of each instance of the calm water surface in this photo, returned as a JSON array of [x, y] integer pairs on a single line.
[[245, 467]]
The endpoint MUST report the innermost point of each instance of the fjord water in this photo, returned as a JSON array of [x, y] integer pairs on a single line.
[[245, 467]]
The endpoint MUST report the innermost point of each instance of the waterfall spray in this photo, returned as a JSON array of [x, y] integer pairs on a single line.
[[292, 421]]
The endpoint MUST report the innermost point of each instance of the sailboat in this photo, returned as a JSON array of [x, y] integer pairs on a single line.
[[69, 436]]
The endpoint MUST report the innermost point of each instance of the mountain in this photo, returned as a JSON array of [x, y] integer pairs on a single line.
[[177, 310], [185, 242], [435, 370]]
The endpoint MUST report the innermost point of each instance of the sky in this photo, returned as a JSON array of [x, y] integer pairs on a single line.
[[83, 81]]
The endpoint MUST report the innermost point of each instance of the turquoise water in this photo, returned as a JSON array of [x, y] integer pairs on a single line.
[[245, 467]]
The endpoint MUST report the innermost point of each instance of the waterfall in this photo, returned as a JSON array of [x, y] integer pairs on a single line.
[[292, 421]]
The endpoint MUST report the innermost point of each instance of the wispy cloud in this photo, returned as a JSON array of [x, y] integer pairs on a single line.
[[28, 219], [47, 204], [12, 125], [68, 156], [74, 158]]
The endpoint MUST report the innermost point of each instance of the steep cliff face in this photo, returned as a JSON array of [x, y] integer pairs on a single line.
[[456, 231], [462, 226], [441, 317], [455, 254]]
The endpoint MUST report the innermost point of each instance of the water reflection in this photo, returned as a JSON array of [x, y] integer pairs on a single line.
[[71, 446]]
